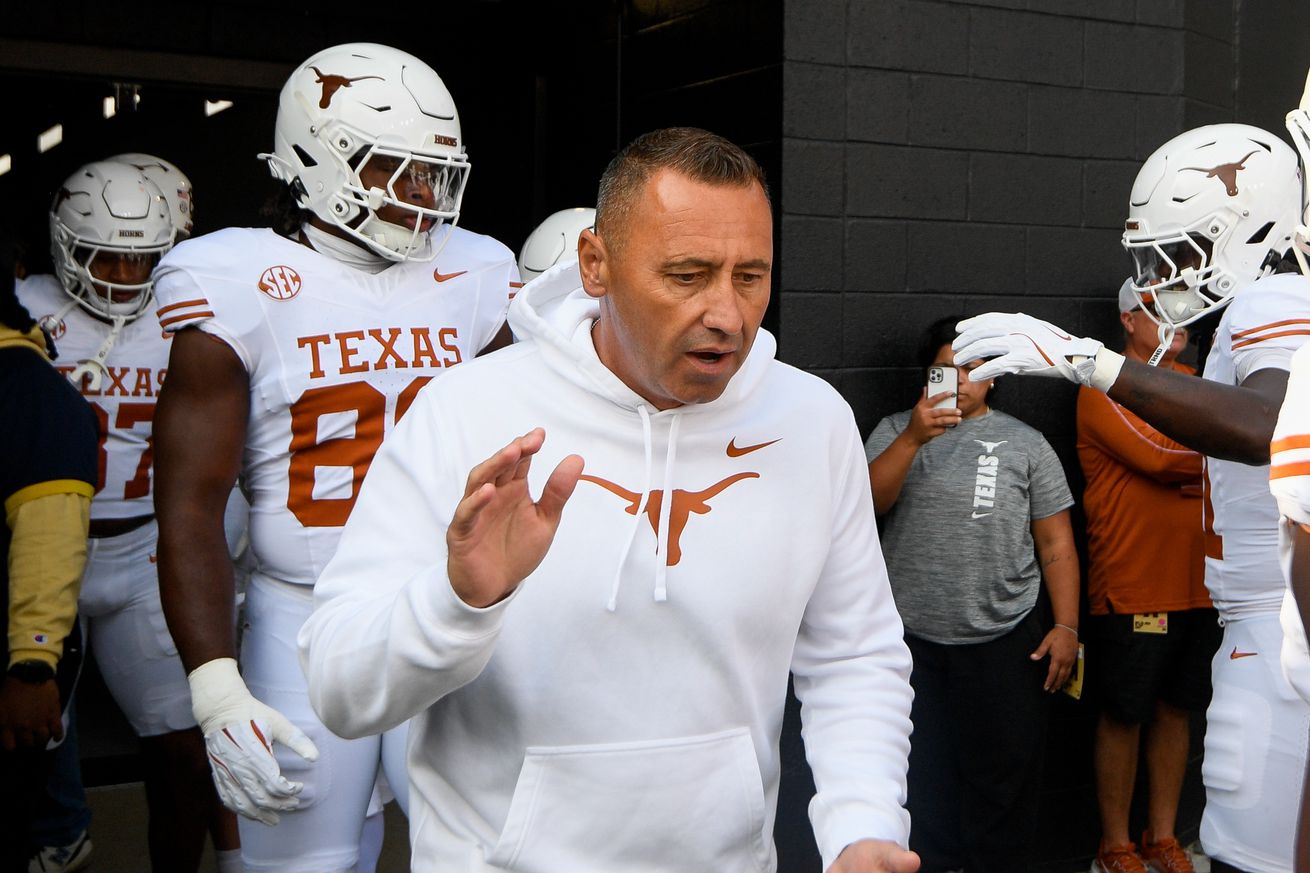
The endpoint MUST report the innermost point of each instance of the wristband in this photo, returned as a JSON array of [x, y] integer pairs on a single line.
[[1072, 630], [1106, 372]]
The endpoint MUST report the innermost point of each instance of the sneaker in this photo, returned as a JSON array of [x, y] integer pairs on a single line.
[[1118, 859], [1166, 856], [62, 859]]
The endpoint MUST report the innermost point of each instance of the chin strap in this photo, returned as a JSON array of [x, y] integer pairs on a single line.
[[94, 367], [1165, 330]]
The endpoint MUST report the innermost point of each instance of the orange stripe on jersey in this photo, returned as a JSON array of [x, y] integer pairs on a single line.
[[170, 307], [186, 316], [516, 284], [1269, 336], [1272, 324], [1287, 444], [1283, 471]]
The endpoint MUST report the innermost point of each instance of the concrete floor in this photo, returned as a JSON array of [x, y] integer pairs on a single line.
[[118, 832]]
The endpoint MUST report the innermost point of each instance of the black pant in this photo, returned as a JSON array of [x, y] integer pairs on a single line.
[[977, 751]]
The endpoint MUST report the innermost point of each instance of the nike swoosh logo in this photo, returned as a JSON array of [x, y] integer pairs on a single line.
[[735, 452], [446, 277], [154, 559], [981, 514], [1236, 654]]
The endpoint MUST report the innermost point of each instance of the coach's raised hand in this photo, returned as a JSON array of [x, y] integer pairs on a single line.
[[499, 534]]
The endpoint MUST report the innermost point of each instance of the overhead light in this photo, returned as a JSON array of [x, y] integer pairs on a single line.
[[6, 164], [213, 107], [109, 107], [50, 138]]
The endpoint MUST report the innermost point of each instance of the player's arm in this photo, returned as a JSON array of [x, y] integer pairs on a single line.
[[200, 432], [1222, 421], [1058, 558], [1232, 422]]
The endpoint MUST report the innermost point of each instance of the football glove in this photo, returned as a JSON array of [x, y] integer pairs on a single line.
[[1018, 343], [239, 735]]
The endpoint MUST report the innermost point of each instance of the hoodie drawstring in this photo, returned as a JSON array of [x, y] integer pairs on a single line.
[[641, 509], [666, 509]]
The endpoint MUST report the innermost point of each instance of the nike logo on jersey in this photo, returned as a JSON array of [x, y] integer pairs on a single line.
[[981, 514], [446, 277], [735, 451], [1234, 655]]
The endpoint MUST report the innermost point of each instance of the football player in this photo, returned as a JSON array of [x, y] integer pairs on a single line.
[[554, 240], [1289, 480], [295, 351], [109, 226], [1211, 220]]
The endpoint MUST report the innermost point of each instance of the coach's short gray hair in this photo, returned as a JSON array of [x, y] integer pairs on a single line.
[[695, 153]]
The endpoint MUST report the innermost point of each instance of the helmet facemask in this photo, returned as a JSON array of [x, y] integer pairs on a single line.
[[99, 294], [362, 210], [1174, 276]]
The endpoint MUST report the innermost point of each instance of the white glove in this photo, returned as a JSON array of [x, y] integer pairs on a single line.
[[239, 735], [1018, 343]]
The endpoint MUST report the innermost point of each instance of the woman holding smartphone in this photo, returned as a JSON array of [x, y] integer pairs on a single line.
[[975, 511]]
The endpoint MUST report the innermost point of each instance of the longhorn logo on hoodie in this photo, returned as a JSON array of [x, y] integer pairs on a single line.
[[684, 504]]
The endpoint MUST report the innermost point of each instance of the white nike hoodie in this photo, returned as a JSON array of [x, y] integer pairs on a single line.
[[621, 711]]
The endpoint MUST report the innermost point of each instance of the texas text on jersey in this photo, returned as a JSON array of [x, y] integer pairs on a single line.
[[124, 401]]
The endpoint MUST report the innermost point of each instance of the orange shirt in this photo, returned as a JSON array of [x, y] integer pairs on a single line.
[[1143, 506]]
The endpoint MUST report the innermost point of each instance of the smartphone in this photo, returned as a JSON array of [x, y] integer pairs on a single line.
[[943, 379]]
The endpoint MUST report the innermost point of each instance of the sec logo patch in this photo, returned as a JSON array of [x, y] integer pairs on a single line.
[[280, 282]]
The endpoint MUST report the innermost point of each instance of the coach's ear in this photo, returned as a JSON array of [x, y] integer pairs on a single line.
[[593, 263]]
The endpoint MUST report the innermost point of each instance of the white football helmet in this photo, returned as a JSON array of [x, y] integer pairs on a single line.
[[1213, 209], [107, 208], [1298, 124], [553, 240], [172, 182], [358, 103]]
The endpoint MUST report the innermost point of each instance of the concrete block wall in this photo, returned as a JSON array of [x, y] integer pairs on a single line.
[[967, 155]]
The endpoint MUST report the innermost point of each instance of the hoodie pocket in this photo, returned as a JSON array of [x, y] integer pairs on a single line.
[[692, 803]]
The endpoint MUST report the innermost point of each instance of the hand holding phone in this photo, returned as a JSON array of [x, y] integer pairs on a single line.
[[943, 379]]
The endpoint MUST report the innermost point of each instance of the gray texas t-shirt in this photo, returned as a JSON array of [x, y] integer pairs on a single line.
[[958, 542]]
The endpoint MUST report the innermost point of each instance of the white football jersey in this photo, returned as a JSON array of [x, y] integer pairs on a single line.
[[335, 356], [1266, 322], [125, 401], [1289, 480]]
